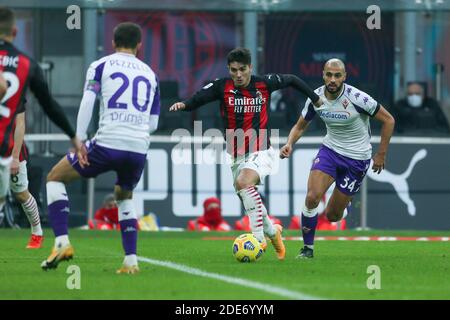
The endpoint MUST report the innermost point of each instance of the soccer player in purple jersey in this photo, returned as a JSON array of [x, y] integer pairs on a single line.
[[129, 112], [344, 157]]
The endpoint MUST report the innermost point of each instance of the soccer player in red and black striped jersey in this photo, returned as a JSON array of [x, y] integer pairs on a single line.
[[21, 73], [244, 106], [19, 181]]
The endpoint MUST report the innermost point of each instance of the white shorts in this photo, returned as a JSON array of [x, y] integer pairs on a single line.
[[263, 162], [4, 176], [19, 182]]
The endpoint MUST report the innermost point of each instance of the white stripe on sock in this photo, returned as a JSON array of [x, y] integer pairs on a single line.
[[32, 212]]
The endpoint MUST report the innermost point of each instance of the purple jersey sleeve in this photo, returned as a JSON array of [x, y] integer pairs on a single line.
[[94, 78], [156, 105], [308, 112]]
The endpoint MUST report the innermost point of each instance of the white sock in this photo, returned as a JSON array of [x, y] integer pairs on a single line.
[[130, 260], [253, 208], [62, 241], [31, 210], [269, 229], [309, 212], [126, 209], [56, 191]]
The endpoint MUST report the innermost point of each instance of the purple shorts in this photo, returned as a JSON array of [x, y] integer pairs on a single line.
[[128, 165], [347, 172]]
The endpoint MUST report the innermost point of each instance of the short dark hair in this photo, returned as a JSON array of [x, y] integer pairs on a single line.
[[241, 55], [127, 35], [7, 20]]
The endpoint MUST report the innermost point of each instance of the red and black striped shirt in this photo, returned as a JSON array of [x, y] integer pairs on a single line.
[[245, 111], [21, 72]]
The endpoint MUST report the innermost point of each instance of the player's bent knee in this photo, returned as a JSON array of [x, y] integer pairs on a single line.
[[243, 184], [121, 194], [124, 196], [334, 216], [53, 175], [312, 200], [23, 196]]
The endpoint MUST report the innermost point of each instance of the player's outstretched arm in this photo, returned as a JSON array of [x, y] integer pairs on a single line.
[[290, 80], [209, 93], [296, 132], [387, 129], [39, 87]]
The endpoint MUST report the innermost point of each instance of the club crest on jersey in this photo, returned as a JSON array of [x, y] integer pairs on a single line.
[[259, 94], [345, 103], [317, 160]]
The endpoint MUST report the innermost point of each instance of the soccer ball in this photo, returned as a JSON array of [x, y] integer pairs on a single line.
[[246, 248]]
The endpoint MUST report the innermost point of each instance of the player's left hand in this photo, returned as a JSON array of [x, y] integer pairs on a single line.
[[82, 156], [15, 165], [378, 162], [81, 151]]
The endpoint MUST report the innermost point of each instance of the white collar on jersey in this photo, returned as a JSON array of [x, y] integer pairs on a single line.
[[125, 54]]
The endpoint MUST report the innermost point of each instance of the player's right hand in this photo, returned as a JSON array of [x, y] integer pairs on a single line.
[[81, 152], [285, 151], [177, 106], [14, 169]]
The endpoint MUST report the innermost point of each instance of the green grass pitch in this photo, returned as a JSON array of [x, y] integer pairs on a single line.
[[409, 269]]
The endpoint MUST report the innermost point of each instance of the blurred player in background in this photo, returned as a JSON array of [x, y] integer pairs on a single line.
[[106, 217], [21, 72], [129, 112], [345, 155], [19, 181], [245, 106]]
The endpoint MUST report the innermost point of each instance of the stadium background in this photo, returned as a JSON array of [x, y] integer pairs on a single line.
[[186, 43]]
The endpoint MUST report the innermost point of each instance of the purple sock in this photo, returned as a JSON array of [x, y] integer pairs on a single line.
[[58, 213], [309, 225], [128, 228]]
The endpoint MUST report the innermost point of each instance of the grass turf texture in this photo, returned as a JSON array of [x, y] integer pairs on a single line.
[[409, 269]]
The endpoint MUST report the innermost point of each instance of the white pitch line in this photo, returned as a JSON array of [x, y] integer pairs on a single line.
[[239, 281]]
